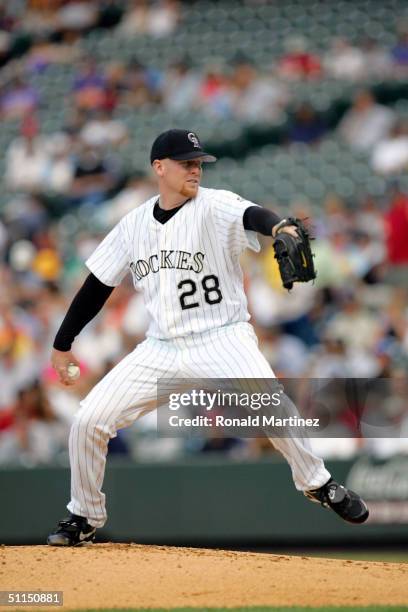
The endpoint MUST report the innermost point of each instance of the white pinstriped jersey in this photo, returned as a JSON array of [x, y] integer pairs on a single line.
[[188, 268]]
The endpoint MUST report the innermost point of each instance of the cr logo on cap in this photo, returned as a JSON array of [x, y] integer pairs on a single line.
[[193, 138]]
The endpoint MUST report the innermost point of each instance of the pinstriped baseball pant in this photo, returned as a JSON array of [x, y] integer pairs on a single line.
[[129, 390]]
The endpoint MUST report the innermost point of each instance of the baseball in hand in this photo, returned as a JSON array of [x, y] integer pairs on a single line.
[[73, 371]]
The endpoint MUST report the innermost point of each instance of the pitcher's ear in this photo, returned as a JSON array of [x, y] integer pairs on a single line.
[[157, 166]]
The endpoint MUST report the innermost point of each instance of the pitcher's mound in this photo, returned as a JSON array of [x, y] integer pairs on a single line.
[[136, 576]]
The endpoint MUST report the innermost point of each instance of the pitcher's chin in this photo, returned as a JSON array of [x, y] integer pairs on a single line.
[[190, 190]]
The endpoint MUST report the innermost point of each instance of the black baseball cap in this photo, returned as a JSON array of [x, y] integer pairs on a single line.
[[180, 145]]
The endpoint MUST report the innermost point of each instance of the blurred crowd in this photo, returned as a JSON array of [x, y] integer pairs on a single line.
[[353, 322]]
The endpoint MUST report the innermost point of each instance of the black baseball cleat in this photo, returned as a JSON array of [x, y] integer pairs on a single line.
[[347, 504], [72, 531]]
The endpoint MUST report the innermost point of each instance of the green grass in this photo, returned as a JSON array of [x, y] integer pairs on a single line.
[[265, 609]]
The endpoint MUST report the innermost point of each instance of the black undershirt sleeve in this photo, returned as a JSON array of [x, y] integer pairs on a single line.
[[84, 307], [260, 220]]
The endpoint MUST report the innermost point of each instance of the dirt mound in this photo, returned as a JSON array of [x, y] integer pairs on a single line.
[[133, 576]]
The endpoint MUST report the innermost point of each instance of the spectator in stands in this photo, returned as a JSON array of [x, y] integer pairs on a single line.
[[77, 17], [286, 353], [7, 20], [89, 86], [164, 17], [343, 61], [330, 359], [138, 189], [214, 94], [59, 173], [18, 359], [395, 321], [135, 19], [116, 83], [25, 217], [44, 53], [298, 62], [366, 123], [158, 19], [364, 253], [46, 161], [74, 123], [93, 177], [306, 125], [34, 434], [40, 18], [399, 53], [390, 156], [180, 86], [336, 216], [141, 84], [396, 226], [28, 152], [104, 131], [368, 218], [253, 96], [17, 100], [358, 328], [377, 59]]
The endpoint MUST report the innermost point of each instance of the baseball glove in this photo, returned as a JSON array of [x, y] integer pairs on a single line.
[[294, 255]]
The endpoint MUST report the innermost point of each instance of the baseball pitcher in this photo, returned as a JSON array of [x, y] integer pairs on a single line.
[[182, 249]]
